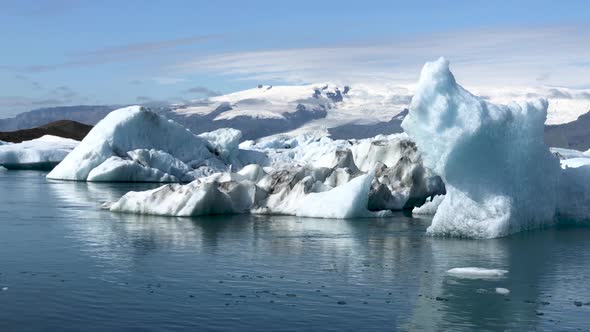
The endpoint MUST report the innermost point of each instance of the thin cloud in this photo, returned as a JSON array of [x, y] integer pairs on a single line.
[[558, 94], [147, 47], [201, 90], [523, 56], [113, 54], [169, 80]]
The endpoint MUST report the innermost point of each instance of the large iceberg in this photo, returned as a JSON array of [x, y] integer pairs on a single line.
[[308, 177], [499, 175], [136, 144], [41, 153]]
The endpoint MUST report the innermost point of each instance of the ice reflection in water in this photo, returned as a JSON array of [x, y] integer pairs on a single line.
[[278, 273]]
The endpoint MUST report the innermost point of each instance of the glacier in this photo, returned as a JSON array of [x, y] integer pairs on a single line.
[[42, 153]]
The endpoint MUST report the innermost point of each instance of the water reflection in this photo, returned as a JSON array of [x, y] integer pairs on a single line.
[[388, 263]]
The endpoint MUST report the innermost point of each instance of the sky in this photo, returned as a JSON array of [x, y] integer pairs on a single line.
[[68, 52]]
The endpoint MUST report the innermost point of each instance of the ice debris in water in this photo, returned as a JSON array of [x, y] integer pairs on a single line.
[[476, 273], [503, 291]]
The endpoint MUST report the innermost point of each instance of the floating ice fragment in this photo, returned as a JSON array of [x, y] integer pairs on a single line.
[[476, 273], [503, 291]]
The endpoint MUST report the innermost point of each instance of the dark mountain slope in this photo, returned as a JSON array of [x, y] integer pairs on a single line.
[[62, 128]]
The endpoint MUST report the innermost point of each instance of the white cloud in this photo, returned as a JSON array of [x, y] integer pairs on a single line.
[[518, 57], [169, 80]]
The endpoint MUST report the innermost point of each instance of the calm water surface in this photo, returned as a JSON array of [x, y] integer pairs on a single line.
[[67, 265]]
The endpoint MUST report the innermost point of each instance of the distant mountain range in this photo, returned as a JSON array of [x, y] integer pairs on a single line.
[[572, 135], [86, 114], [342, 111], [62, 128]]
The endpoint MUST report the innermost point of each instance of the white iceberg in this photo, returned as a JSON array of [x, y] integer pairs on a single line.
[[201, 197], [499, 175], [41, 153], [327, 186], [136, 144]]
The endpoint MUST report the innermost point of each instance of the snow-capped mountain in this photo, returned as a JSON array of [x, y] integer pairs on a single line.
[[268, 110], [341, 111]]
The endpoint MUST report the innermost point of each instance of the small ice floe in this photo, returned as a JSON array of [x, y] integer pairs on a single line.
[[502, 291], [476, 273], [4, 289]]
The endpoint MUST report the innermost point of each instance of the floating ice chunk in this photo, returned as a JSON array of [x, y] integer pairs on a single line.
[[42, 153], [3, 169], [476, 273], [499, 175], [503, 291], [430, 207], [574, 195], [349, 200], [125, 130], [562, 153], [194, 199], [574, 162]]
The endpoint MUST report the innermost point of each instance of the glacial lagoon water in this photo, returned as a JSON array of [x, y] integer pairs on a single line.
[[67, 265]]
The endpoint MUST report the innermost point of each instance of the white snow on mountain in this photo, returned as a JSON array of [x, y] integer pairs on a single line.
[[360, 104], [565, 104], [41, 153]]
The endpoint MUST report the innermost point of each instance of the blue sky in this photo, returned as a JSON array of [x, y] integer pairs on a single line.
[[65, 52]]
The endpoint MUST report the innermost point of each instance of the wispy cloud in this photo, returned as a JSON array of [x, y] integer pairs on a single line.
[[519, 56], [204, 91], [59, 96], [147, 47], [169, 80], [119, 53]]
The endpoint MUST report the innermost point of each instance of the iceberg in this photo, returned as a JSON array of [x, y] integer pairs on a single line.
[[317, 178], [499, 175], [136, 144], [42, 153], [200, 197]]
